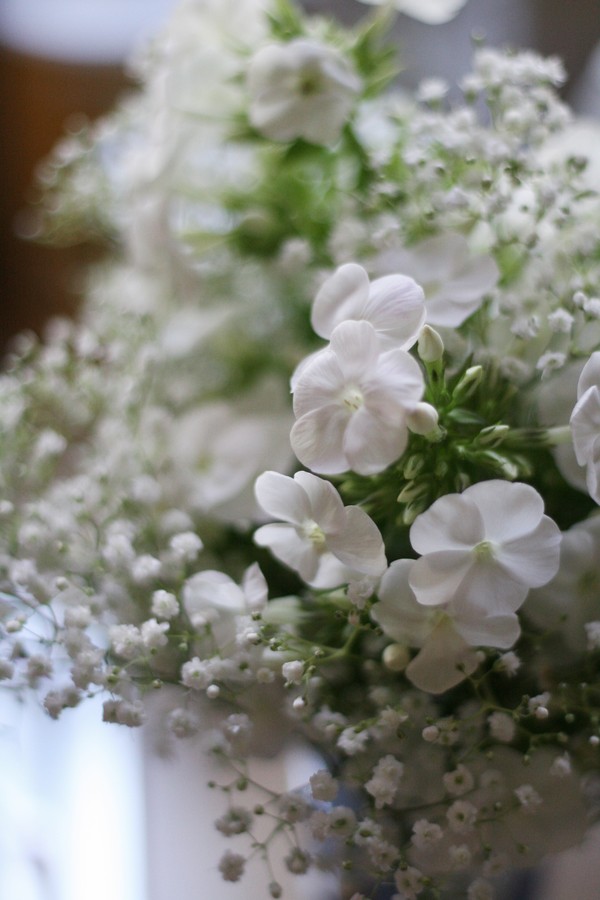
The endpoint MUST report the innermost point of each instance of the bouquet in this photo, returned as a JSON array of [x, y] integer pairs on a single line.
[[400, 561]]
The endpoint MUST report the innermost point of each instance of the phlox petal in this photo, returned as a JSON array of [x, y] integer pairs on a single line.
[[590, 374], [317, 440], [397, 610], [356, 348], [326, 507], [287, 545], [318, 381], [359, 545], [371, 443], [342, 296], [508, 510], [282, 497], [585, 424], [533, 559], [396, 309], [490, 631], [443, 662], [436, 577], [453, 522]]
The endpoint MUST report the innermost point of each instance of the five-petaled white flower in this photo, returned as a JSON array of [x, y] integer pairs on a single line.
[[393, 304], [585, 424], [445, 635], [324, 541], [300, 89], [454, 279], [484, 549], [352, 402]]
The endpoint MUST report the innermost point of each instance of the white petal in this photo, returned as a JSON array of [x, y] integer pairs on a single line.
[[341, 297], [453, 522], [319, 382], [356, 347], [255, 588], [397, 610], [371, 443], [317, 440], [436, 577], [326, 506], [534, 558], [489, 631], [509, 510], [282, 497], [359, 545], [445, 660], [286, 544], [585, 424], [396, 309], [590, 374]]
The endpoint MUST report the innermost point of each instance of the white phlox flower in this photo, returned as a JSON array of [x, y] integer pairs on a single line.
[[570, 600], [585, 424], [445, 638], [455, 280], [393, 304], [433, 12], [483, 550], [352, 402], [211, 598], [300, 89], [318, 537]]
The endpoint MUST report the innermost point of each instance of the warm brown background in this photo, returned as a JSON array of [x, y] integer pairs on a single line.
[[37, 96]]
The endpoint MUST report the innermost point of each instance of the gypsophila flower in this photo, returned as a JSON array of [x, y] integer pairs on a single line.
[[153, 634], [231, 866], [164, 604], [462, 816], [352, 741], [509, 663], [426, 834], [561, 766], [460, 856], [342, 821], [236, 820], [293, 671], [409, 882], [186, 545], [459, 781], [323, 786], [528, 797], [502, 727], [480, 890], [298, 861], [383, 783]]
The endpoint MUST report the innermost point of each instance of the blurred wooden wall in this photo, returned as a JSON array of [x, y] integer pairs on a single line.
[[37, 96]]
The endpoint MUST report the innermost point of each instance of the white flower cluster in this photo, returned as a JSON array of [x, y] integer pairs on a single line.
[[421, 597]]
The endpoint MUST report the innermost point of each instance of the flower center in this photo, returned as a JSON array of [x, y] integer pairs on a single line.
[[309, 82], [315, 534], [484, 550], [353, 399]]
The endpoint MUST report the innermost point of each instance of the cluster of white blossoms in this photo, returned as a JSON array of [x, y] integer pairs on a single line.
[[400, 562]]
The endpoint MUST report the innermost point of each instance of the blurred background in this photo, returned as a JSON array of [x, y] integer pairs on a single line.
[[68, 793], [63, 58]]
